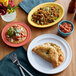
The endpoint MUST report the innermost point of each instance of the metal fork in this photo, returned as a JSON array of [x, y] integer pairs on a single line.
[[15, 60]]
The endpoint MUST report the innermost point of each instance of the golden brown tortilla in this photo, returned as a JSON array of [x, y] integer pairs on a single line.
[[50, 52]]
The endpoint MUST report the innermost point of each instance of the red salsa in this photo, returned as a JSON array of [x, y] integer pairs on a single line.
[[65, 27]]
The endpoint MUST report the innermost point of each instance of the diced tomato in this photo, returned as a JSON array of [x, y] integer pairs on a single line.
[[17, 36], [65, 27], [18, 26], [69, 25], [23, 36], [65, 24], [63, 31], [9, 38], [21, 33], [61, 27]]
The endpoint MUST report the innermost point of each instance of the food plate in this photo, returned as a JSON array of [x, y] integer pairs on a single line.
[[18, 44], [42, 65], [42, 5]]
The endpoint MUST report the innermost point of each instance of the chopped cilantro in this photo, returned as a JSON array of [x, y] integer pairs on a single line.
[[52, 44], [47, 8], [60, 54], [56, 17], [42, 19], [36, 49], [32, 19], [10, 32], [16, 30], [42, 23], [38, 22], [47, 52]]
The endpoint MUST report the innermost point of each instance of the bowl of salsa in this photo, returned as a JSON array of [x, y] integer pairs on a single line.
[[16, 34], [65, 28]]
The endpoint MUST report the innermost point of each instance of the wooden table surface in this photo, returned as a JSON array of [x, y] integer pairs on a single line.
[[22, 17]]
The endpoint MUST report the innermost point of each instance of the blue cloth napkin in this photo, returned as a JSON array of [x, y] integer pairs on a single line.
[[7, 68], [27, 5]]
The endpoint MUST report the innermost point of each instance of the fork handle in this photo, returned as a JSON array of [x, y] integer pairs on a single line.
[[21, 71], [25, 70]]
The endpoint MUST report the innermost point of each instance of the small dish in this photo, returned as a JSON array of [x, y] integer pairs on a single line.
[[61, 13], [65, 34], [16, 44]]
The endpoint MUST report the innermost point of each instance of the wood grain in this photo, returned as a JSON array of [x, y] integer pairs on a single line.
[[22, 17]]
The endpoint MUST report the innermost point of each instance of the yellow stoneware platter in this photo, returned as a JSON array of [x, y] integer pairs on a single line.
[[61, 13]]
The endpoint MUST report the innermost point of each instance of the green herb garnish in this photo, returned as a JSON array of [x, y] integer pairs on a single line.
[[56, 17], [47, 8], [51, 15], [51, 18], [17, 34], [37, 22], [42, 19], [32, 19], [52, 44], [10, 32], [16, 30], [47, 52], [42, 23], [60, 54]]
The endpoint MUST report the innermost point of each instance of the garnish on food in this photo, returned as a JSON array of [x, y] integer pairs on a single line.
[[47, 52]]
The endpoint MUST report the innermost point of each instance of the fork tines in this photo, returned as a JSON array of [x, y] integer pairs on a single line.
[[13, 57]]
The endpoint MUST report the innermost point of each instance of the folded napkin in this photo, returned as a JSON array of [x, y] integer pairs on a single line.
[[27, 5], [7, 68]]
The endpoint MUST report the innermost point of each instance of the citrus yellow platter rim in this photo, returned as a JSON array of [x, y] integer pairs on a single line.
[[41, 5]]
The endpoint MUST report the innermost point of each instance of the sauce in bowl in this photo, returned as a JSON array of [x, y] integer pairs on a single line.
[[65, 27]]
